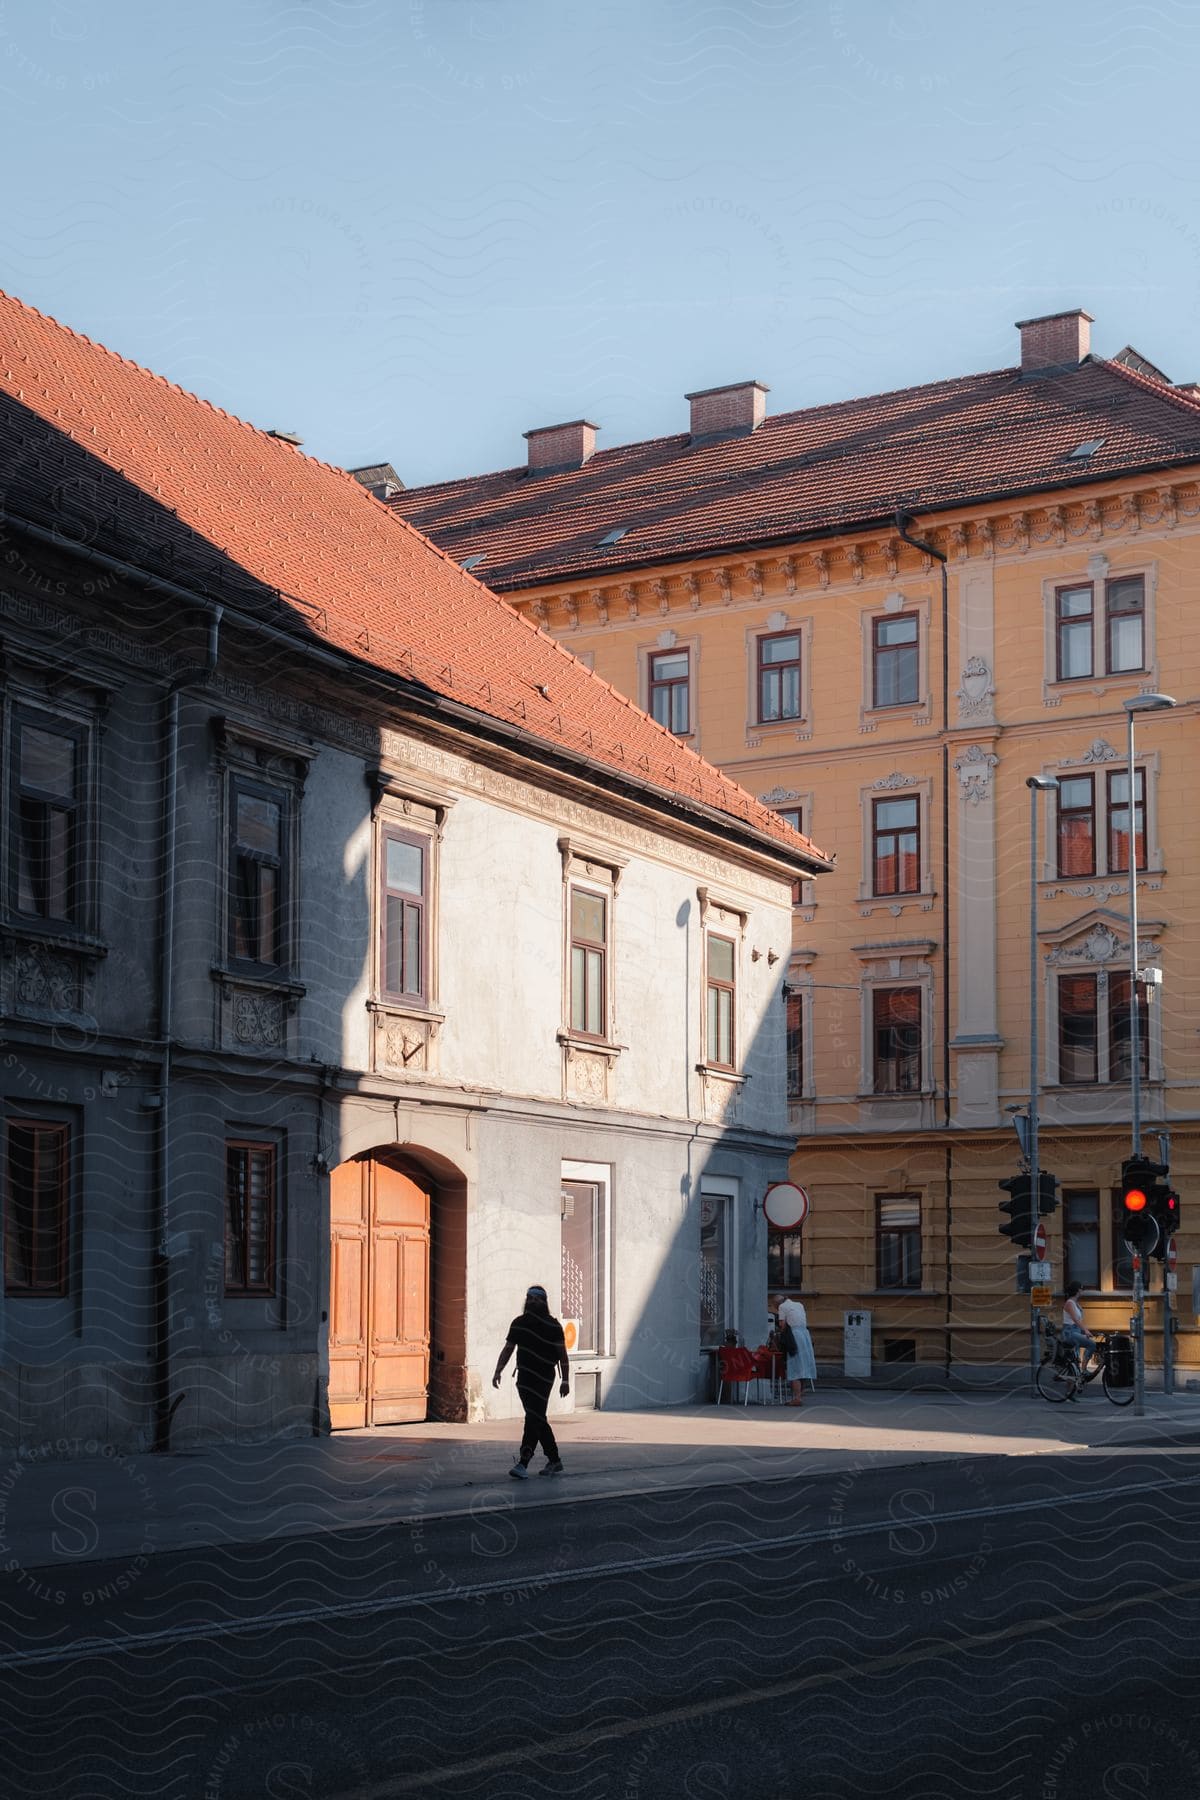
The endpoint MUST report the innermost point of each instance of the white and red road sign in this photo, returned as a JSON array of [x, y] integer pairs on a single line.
[[1039, 1241], [1171, 1255], [786, 1205]]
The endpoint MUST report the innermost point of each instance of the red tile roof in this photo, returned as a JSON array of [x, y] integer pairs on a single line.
[[828, 469], [141, 468]]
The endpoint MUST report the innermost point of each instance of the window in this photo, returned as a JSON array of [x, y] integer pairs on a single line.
[[716, 1271], [48, 818], [249, 1218], [1090, 637], [585, 1263], [36, 1208], [404, 873], [779, 676], [589, 925], [896, 846], [1124, 609], [1078, 1045], [795, 1044], [794, 816], [1076, 826], [1081, 1237], [897, 1040], [785, 1260], [1119, 1023], [895, 660], [1073, 632], [1118, 820], [256, 865], [669, 690], [722, 994], [897, 1241]]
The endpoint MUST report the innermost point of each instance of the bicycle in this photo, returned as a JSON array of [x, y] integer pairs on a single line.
[[1062, 1376]]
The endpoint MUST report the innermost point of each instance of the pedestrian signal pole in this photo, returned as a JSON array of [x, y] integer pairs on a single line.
[[1141, 1234]]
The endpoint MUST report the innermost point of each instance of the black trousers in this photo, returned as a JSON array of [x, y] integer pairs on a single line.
[[535, 1397]]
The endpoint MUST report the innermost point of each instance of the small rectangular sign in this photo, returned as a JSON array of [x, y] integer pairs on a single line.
[[1040, 1296], [1172, 1281], [1041, 1274], [856, 1345]]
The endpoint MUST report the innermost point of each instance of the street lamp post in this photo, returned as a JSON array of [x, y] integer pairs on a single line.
[[1139, 703], [1036, 784]]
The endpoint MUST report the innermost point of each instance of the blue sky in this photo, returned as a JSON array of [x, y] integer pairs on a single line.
[[411, 231]]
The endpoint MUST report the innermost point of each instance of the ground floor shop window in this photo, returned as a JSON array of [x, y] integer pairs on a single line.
[[585, 1257], [716, 1265]]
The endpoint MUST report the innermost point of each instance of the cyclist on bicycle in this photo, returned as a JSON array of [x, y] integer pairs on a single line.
[[1074, 1331]]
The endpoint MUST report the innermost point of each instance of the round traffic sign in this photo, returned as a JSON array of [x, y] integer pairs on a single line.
[[1171, 1255], [1039, 1241], [786, 1205]]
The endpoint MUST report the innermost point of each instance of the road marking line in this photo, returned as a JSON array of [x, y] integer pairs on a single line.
[[540, 1582]]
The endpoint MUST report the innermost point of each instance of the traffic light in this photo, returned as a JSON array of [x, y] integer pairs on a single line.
[[1047, 1193], [1019, 1207], [1164, 1210], [1138, 1224]]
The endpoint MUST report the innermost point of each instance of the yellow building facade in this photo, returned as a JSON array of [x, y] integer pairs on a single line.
[[892, 690]]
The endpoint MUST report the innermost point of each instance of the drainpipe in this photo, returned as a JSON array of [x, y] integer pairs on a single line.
[[903, 522], [165, 1407]]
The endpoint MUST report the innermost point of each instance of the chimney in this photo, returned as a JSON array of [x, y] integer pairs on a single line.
[[1058, 341], [1189, 389], [379, 479], [720, 412], [561, 446]]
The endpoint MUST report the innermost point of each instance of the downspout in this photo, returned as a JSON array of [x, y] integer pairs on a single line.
[[165, 1407], [903, 521]]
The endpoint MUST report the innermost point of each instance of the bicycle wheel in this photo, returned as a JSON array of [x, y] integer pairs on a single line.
[[1120, 1396], [1055, 1384]]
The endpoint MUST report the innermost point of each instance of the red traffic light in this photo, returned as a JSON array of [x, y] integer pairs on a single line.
[[1135, 1201]]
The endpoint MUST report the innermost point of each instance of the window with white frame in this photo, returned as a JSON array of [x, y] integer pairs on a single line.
[[408, 827], [718, 1283], [590, 881], [586, 1248], [1093, 824], [895, 655], [1099, 628]]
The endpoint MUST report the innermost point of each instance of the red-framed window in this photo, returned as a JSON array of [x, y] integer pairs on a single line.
[[795, 1044], [896, 846], [257, 844], [251, 1200], [48, 817], [403, 909], [1078, 1029], [721, 996], [1124, 624], [1076, 825], [1073, 632], [779, 676], [898, 1240], [37, 1205], [589, 963], [896, 1038], [1118, 820], [896, 660], [670, 690]]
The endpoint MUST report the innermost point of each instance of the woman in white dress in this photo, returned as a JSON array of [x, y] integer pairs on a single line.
[[802, 1366]]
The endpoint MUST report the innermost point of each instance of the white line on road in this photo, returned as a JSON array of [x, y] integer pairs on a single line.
[[84, 1648]]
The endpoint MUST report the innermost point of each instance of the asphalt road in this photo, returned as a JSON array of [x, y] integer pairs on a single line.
[[1023, 1628]]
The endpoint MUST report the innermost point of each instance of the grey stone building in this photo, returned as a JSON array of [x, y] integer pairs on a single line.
[[364, 957]]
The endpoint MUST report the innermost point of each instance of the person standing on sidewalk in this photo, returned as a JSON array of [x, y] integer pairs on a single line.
[[802, 1360], [538, 1340]]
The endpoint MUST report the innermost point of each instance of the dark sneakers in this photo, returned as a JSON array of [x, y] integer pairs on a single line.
[[553, 1468]]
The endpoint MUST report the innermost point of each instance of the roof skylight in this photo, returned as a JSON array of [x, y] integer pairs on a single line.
[[473, 562], [612, 537], [1089, 447]]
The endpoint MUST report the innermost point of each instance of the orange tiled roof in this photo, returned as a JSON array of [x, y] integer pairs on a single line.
[[139, 467], [828, 469]]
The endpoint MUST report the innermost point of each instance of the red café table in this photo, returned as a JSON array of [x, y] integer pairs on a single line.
[[769, 1366]]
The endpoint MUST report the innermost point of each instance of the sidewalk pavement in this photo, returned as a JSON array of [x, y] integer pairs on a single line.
[[97, 1507]]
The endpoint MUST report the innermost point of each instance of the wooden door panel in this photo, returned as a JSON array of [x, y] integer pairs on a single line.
[[379, 1297], [348, 1298], [400, 1335]]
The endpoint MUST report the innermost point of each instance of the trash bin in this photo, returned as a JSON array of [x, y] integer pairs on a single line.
[[1118, 1353]]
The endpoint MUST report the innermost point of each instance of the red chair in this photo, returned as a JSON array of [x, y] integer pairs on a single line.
[[734, 1365]]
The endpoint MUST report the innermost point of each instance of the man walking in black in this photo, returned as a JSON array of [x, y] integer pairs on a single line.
[[538, 1341]]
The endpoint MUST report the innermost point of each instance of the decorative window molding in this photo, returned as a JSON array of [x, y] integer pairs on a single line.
[[896, 784], [591, 876], [798, 724], [895, 606], [410, 814], [1103, 882], [1096, 946], [1096, 596]]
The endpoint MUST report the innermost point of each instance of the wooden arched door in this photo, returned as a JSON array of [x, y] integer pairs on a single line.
[[379, 1296]]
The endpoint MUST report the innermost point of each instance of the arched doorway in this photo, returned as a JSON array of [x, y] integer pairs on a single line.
[[379, 1299]]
